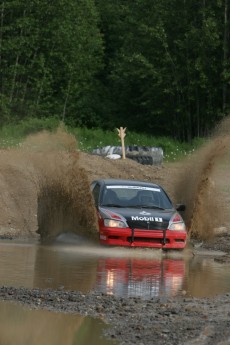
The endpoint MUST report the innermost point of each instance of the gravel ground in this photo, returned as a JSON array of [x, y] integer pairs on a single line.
[[180, 320]]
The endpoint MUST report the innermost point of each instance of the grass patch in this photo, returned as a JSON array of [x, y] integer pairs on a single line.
[[12, 135], [90, 139]]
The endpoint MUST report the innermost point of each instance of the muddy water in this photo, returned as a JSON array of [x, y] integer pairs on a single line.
[[122, 272], [21, 326]]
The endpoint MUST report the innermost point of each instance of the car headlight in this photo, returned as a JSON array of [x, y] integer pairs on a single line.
[[177, 226], [111, 223], [176, 223]]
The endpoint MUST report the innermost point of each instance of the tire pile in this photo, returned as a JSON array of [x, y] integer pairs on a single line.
[[145, 155]]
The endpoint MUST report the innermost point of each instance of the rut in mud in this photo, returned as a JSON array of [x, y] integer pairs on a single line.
[[45, 185]]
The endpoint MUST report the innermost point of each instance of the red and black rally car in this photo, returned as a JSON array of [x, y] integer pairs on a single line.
[[137, 214]]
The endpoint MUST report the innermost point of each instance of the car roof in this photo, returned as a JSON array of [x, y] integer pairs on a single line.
[[113, 181]]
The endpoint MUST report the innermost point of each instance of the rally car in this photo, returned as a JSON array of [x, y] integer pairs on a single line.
[[137, 214]]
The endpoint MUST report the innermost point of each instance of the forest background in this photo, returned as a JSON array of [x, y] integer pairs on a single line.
[[157, 67]]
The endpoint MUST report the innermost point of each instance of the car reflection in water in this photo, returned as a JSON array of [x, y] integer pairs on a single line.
[[134, 277]]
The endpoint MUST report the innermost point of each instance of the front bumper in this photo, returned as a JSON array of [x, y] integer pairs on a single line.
[[168, 239]]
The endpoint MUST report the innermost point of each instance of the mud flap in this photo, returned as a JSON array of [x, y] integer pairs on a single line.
[[164, 237], [132, 235]]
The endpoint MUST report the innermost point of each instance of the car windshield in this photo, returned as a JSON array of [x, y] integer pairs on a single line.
[[135, 196]]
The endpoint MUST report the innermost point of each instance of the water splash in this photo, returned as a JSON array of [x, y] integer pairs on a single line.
[[45, 188], [65, 202], [196, 188]]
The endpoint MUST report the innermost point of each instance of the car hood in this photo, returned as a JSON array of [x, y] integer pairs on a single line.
[[143, 218]]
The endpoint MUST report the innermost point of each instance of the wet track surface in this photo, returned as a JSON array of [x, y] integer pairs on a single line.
[[70, 264]]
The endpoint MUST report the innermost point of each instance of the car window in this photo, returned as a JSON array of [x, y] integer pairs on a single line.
[[96, 192], [138, 196]]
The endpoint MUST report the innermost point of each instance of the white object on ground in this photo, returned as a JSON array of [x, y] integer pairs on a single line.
[[113, 156]]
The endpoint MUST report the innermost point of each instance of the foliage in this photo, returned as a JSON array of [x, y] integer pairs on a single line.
[[49, 53], [13, 134], [157, 67], [167, 65]]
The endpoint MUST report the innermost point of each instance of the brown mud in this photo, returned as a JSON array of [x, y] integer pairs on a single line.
[[44, 189], [196, 189]]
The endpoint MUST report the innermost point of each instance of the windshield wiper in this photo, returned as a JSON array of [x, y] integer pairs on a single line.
[[152, 206], [147, 206], [111, 205]]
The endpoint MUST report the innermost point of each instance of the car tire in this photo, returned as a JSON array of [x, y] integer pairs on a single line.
[[145, 160]]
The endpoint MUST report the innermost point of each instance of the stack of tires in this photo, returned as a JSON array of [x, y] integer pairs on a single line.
[[146, 155]]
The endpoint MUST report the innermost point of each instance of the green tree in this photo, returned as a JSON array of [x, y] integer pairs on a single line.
[[50, 54], [164, 65]]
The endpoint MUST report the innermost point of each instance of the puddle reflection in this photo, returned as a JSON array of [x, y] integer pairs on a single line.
[[21, 326], [141, 277], [114, 272]]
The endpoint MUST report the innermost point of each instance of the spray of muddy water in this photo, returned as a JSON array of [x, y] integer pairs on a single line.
[[195, 186], [64, 201]]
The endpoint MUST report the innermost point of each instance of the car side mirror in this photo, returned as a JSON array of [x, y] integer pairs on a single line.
[[180, 207]]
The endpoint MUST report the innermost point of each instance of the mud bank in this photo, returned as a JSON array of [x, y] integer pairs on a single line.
[[181, 320]]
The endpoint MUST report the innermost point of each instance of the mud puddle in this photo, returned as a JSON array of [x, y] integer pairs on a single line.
[[120, 272], [22, 326]]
